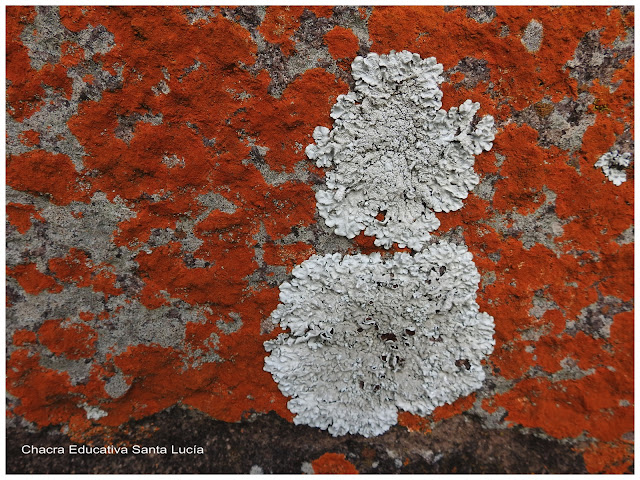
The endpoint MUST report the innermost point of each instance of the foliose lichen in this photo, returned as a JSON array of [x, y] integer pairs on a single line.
[[369, 336], [396, 156], [613, 165]]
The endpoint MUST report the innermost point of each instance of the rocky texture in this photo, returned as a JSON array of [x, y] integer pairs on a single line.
[[158, 193], [456, 445]]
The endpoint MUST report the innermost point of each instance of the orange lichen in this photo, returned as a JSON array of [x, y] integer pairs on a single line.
[[46, 395], [77, 268], [609, 458], [449, 410], [29, 138], [287, 255], [32, 280], [414, 423], [342, 43], [73, 340], [47, 174], [20, 216], [567, 409], [333, 463], [23, 337], [215, 128], [279, 24]]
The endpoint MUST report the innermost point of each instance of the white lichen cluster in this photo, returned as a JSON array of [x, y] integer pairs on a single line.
[[396, 157], [613, 165], [369, 336]]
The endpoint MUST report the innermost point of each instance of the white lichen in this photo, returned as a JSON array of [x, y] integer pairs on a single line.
[[613, 165], [369, 336], [395, 154]]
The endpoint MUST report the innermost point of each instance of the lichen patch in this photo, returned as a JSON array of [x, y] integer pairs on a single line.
[[368, 337], [395, 157]]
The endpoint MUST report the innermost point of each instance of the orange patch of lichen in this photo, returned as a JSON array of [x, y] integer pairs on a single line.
[[77, 268], [29, 138], [333, 463], [279, 24], [342, 43], [20, 216], [414, 423], [44, 173], [287, 255], [451, 409], [72, 54], [32, 280], [160, 271], [609, 458], [320, 11], [73, 340], [23, 337], [568, 408], [46, 395]]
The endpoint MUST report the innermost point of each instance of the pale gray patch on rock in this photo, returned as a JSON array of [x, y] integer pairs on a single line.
[[541, 304], [570, 371], [532, 36], [274, 177], [565, 124], [44, 43], [486, 188], [199, 13], [92, 232], [194, 358], [216, 201], [307, 468], [596, 319], [230, 327], [481, 13], [95, 40], [161, 88], [475, 71], [116, 386], [593, 60], [349, 17], [540, 227], [626, 237], [32, 310], [134, 324], [79, 371]]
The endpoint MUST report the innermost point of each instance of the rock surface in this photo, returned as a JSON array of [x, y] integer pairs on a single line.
[[158, 193]]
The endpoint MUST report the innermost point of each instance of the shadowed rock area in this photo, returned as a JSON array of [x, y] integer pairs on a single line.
[[457, 445]]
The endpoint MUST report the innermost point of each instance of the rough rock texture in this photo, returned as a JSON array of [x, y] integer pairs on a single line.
[[158, 193]]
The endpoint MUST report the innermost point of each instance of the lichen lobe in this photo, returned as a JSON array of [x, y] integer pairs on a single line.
[[393, 151], [369, 336]]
